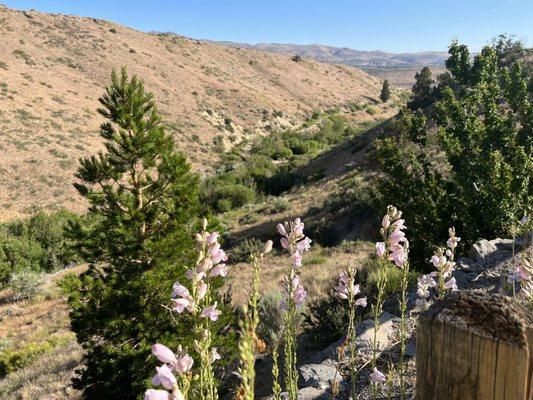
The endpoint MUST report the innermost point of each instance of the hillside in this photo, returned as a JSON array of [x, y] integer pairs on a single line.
[[54, 67]]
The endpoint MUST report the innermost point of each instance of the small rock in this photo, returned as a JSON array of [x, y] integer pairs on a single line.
[[481, 249], [385, 333], [319, 376]]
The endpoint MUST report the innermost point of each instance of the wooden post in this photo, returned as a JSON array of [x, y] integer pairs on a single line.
[[475, 346]]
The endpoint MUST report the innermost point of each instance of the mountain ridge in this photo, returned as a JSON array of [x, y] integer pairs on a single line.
[[349, 56]]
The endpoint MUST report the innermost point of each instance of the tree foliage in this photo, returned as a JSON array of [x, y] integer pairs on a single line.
[[144, 199], [422, 89], [467, 164], [385, 91]]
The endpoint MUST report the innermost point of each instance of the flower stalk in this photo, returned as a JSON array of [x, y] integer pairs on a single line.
[[296, 243], [348, 290], [249, 342], [196, 298]]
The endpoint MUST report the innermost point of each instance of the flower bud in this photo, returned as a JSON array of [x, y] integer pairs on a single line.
[[267, 248]]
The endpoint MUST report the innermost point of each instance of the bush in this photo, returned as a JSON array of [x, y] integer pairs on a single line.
[[270, 318], [25, 284], [241, 252], [36, 244], [326, 318]]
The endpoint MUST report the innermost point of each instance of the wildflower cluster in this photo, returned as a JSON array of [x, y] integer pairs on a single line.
[[196, 299], [179, 363], [395, 245], [296, 243], [348, 290], [440, 279], [393, 249]]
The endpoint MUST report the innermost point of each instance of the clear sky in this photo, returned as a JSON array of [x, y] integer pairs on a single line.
[[390, 25]]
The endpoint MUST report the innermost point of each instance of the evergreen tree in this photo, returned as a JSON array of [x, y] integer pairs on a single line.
[[422, 89], [385, 91], [469, 163], [145, 201]]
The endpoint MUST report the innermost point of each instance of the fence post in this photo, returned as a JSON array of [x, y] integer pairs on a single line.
[[475, 346]]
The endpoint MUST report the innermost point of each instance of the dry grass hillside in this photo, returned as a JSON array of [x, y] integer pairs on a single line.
[[54, 67]]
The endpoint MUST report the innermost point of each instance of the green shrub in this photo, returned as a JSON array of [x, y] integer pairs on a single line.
[[326, 318], [241, 252], [25, 284], [270, 318], [36, 244]]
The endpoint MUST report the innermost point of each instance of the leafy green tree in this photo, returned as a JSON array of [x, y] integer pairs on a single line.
[[469, 163], [422, 89], [144, 200], [385, 91]]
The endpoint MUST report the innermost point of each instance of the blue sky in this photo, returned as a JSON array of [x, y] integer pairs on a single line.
[[390, 25]]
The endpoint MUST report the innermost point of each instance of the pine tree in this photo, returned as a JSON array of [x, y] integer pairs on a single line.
[[144, 198], [385, 91], [422, 89]]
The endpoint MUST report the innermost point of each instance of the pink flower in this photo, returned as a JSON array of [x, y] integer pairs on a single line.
[[153, 394], [281, 230], [181, 304], [179, 290], [211, 312], [164, 377], [298, 292], [183, 364], [297, 259], [215, 355], [298, 227], [380, 249], [451, 284], [304, 244], [163, 353], [397, 236], [202, 290], [219, 270], [356, 289], [385, 222], [361, 302], [435, 260], [204, 265], [377, 376], [399, 224], [342, 291], [212, 238], [399, 257], [219, 256], [284, 243]]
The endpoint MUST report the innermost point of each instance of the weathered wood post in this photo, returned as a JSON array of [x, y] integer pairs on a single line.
[[475, 346]]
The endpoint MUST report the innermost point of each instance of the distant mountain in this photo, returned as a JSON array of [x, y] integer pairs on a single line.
[[345, 55]]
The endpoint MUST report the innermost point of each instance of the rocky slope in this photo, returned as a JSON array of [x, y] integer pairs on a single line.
[[54, 67]]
